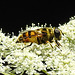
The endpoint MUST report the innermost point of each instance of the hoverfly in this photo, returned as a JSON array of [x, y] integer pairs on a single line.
[[41, 35]]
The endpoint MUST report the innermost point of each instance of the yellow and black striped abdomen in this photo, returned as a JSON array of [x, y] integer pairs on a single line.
[[29, 34]]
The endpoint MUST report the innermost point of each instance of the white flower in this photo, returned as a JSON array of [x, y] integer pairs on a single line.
[[37, 58]]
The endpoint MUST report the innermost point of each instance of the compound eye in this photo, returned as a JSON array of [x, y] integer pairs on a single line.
[[57, 33]]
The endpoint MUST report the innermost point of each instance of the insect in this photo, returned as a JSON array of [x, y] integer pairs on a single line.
[[42, 35]]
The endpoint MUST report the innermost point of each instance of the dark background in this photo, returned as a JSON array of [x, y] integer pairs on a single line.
[[14, 15]]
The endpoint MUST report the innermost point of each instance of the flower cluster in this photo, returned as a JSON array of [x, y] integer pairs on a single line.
[[39, 59]]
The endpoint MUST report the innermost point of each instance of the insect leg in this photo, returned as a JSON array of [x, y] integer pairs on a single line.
[[57, 43], [27, 45], [49, 43]]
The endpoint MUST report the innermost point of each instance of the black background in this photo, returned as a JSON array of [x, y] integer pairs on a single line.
[[16, 14]]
